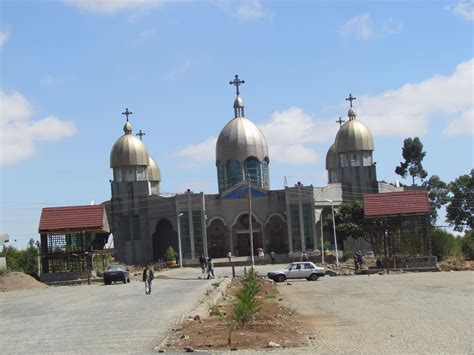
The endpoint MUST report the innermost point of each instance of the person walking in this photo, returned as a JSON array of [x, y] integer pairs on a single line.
[[202, 261], [210, 268], [272, 256], [304, 257], [148, 277]]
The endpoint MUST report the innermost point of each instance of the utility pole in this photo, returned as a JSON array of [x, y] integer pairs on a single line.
[[250, 222]]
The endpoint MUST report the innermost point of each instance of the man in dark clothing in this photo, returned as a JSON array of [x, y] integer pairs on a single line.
[[202, 261], [148, 277]]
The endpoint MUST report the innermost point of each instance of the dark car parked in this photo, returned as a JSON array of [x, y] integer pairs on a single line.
[[116, 273]]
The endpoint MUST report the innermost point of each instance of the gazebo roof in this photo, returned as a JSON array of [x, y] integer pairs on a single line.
[[396, 203], [64, 219]]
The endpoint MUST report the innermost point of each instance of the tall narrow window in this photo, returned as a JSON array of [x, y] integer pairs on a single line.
[[221, 178], [234, 173], [308, 226], [295, 227], [266, 174], [252, 169], [185, 235], [197, 229]]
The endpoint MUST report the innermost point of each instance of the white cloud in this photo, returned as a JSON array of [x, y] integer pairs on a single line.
[[180, 71], [464, 8], [196, 154], [392, 27], [407, 110], [112, 6], [4, 36], [360, 25], [251, 10], [19, 134]]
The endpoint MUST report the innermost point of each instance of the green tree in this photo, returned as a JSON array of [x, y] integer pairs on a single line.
[[460, 210], [351, 222], [412, 152], [438, 194], [444, 244], [22, 260]]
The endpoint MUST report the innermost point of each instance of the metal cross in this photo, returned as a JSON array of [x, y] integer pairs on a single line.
[[237, 82], [340, 121], [350, 98], [127, 113], [140, 134]]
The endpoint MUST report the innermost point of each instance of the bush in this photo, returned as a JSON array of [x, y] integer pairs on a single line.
[[467, 245], [444, 245], [170, 253]]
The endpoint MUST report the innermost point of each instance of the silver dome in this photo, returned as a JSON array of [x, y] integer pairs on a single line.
[[154, 172], [332, 160], [353, 136], [240, 139], [238, 102], [128, 150]]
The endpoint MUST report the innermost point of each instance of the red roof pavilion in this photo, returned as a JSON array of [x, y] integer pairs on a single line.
[[396, 203], [70, 218]]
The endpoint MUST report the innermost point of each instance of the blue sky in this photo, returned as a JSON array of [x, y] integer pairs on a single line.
[[69, 68]]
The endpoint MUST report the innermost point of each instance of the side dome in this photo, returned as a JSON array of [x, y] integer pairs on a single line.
[[354, 136], [154, 172], [128, 150], [240, 139], [332, 161]]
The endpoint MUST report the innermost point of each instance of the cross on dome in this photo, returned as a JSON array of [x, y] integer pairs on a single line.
[[351, 98], [340, 121], [140, 134], [127, 113], [237, 82]]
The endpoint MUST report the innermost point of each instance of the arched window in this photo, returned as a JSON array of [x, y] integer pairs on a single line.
[[234, 173], [252, 169]]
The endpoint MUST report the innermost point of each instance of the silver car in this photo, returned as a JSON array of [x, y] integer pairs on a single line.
[[299, 270]]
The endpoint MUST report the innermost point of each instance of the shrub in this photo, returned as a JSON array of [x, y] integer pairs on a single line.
[[247, 304], [467, 245], [444, 245], [170, 253]]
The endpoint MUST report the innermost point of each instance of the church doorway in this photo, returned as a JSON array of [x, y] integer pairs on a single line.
[[164, 237], [242, 236], [276, 235], [217, 239]]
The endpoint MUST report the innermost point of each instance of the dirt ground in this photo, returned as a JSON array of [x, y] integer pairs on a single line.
[[13, 281], [273, 323]]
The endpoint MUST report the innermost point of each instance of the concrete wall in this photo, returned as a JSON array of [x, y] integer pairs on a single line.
[[3, 263]]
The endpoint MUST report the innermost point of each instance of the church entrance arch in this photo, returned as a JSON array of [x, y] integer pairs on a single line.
[[276, 235], [217, 239], [164, 237], [241, 235]]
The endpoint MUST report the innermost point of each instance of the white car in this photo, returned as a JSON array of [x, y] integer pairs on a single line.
[[299, 270]]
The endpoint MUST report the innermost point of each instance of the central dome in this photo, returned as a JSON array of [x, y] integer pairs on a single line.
[[354, 136], [240, 139]]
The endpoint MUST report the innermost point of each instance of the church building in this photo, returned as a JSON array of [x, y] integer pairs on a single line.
[[145, 223]]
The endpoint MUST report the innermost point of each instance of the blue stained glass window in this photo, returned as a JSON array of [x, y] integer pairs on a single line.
[[234, 173], [252, 168]]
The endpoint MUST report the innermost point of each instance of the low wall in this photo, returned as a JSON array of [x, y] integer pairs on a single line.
[[3, 263], [410, 262], [64, 276]]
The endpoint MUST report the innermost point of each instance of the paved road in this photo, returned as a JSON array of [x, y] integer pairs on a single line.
[[101, 319], [94, 319]]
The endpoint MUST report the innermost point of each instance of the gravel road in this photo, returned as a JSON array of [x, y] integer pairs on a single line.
[[417, 313]]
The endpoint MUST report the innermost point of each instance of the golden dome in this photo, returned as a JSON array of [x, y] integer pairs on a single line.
[[332, 161], [353, 136], [239, 140], [128, 150], [154, 173]]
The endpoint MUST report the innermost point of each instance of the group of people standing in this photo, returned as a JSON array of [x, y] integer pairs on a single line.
[[207, 265]]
